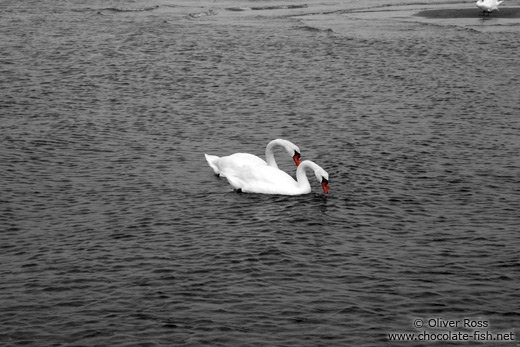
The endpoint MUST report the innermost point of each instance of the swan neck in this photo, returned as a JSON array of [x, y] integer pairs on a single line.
[[269, 153], [301, 174]]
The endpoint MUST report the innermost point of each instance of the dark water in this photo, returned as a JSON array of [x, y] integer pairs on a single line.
[[115, 232]]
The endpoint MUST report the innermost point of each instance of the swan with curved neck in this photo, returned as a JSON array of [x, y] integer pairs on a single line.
[[268, 180], [224, 166]]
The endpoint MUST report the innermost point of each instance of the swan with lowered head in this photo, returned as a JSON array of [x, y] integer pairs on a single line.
[[268, 180], [224, 166]]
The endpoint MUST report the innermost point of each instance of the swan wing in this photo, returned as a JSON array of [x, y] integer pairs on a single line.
[[238, 160], [227, 165]]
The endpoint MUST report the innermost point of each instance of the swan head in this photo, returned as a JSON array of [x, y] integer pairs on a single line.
[[296, 158], [323, 178], [292, 149], [325, 185]]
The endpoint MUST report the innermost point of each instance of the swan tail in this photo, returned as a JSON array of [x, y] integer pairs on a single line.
[[213, 162]]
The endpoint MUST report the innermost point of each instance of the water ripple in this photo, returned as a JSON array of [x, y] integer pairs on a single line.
[[116, 232]]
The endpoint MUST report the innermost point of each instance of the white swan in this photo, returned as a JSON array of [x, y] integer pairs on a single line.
[[269, 180], [224, 166], [488, 6]]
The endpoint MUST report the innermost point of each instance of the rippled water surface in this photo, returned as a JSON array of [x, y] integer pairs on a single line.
[[115, 232]]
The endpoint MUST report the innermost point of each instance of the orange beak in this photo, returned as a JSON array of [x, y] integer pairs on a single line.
[[325, 185], [296, 158]]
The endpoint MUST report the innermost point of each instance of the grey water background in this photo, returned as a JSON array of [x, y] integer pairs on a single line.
[[115, 232]]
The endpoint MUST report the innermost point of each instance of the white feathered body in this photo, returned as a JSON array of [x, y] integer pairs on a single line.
[[488, 5]]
